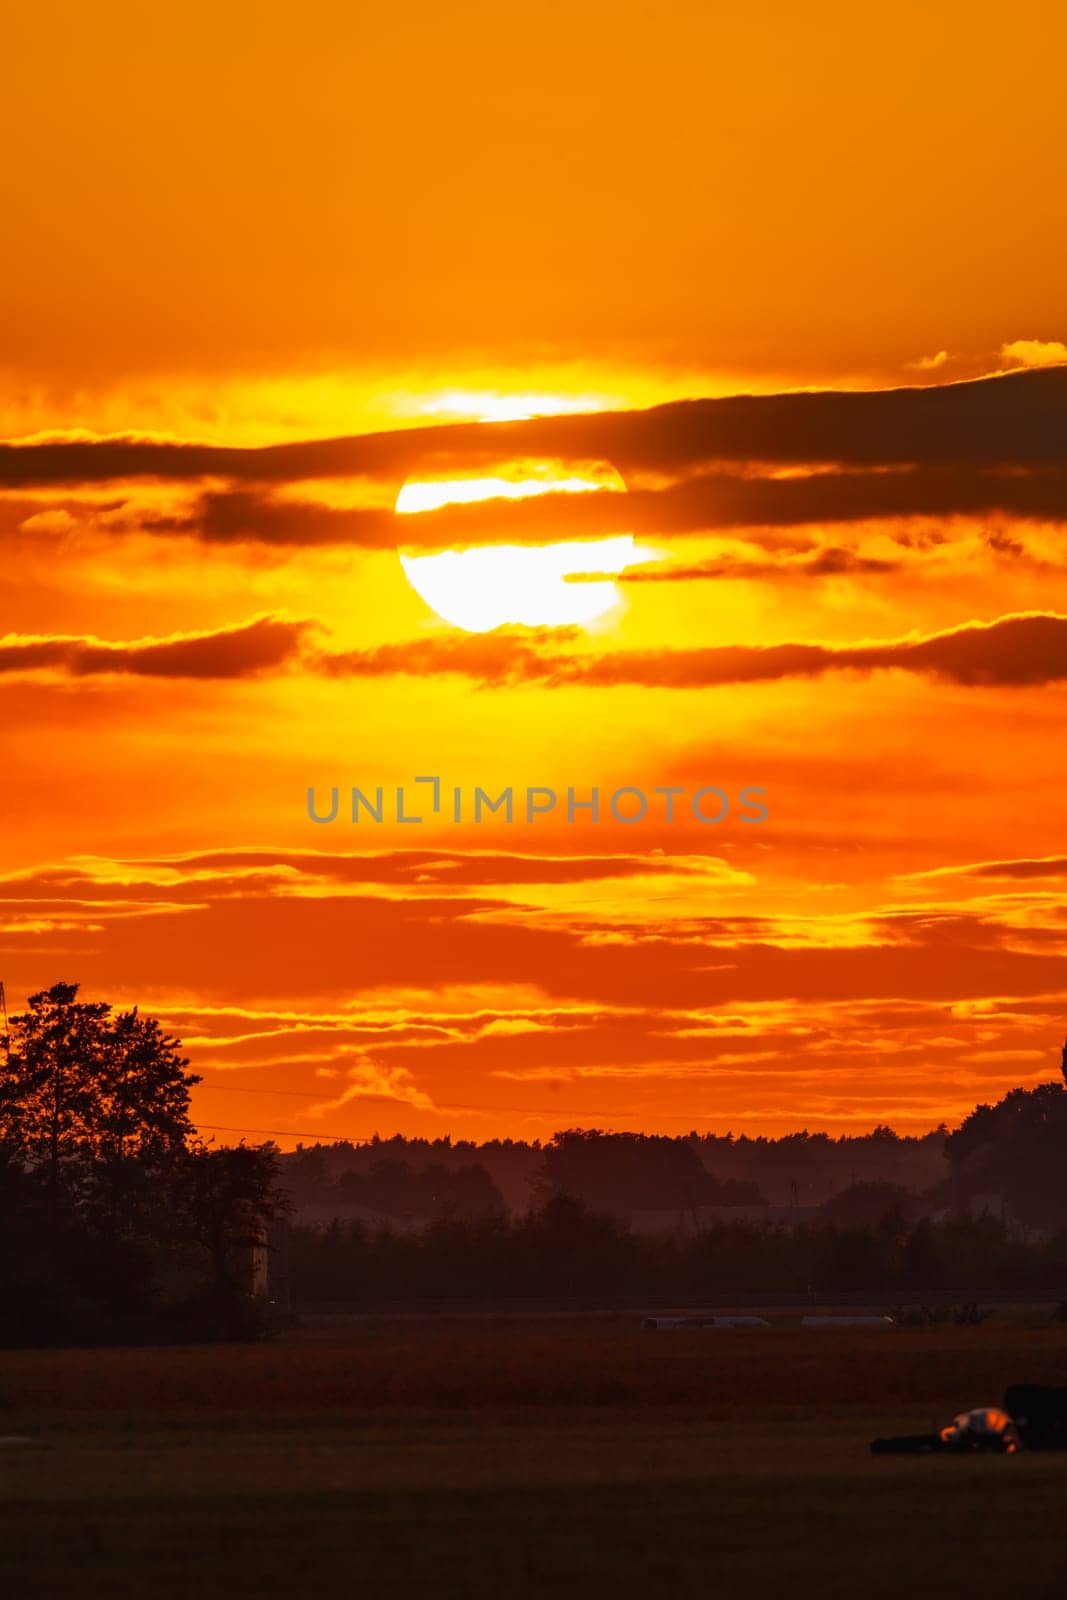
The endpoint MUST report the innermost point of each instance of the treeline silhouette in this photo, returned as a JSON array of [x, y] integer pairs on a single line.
[[562, 1249], [617, 1173], [401, 1178], [1011, 1155], [994, 1218]]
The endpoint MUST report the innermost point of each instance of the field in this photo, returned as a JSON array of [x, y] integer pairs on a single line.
[[495, 1458]]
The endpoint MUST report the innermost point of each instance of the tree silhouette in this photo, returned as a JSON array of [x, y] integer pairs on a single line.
[[1018, 1149], [116, 1222], [618, 1173], [82, 1085]]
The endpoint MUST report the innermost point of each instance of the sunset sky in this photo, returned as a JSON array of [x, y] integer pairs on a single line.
[[718, 355]]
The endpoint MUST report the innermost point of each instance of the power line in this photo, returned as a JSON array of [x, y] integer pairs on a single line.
[[288, 1133], [296, 1094]]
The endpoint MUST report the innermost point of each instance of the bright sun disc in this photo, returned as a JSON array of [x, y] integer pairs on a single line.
[[489, 585]]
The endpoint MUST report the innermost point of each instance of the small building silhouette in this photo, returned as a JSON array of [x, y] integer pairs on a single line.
[[270, 1264]]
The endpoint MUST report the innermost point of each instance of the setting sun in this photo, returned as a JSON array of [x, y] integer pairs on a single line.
[[490, 585]]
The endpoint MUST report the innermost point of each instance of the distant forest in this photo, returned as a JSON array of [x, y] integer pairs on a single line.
[[981, 1208], [629, 1176]]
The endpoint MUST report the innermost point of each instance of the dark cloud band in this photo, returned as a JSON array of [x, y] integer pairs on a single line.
[[1011, 652], [264, 644], [1017, 419]]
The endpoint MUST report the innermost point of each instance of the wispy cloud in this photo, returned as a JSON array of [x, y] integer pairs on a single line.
[[266, 643], [1011, 652], [1039, 867], [830, 562], [369, 1081], [929, 363], [1035, 352]]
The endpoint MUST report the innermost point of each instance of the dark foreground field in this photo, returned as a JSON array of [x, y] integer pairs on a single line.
[[497, 1459]]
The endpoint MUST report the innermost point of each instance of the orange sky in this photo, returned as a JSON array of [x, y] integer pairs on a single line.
[[262, 266]]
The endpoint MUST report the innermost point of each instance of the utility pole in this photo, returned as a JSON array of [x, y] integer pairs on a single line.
[[5, 1037]]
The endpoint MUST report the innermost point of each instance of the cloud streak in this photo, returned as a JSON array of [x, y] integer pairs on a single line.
[[1011, 652], [831, 562], [264, 644], [1023, 868], [1026, 650]]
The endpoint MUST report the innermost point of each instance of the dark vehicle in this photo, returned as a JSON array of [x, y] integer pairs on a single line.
[[1040, 1414]]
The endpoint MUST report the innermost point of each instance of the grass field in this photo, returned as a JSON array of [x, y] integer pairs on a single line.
[[518, 1460]]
